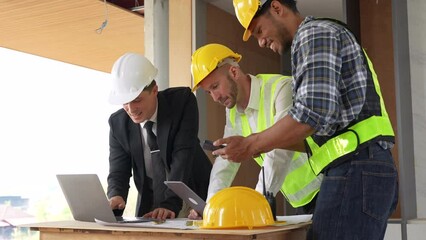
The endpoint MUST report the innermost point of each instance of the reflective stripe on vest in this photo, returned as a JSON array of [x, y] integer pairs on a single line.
[[301, 184], [359, 133]]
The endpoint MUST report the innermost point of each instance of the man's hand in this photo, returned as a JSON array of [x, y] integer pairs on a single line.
[[237, 148], [160, 214], [193, 215], [117, 202]]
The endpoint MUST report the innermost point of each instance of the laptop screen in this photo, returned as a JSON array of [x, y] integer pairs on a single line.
[[187, 195], [86, 197]]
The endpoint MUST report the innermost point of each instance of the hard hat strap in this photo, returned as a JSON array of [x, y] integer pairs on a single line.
[[229, 60]]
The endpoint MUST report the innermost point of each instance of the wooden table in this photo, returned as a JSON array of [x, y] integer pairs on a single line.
[[65, 230]]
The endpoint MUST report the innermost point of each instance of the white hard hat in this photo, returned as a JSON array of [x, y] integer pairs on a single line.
[[131, 73]]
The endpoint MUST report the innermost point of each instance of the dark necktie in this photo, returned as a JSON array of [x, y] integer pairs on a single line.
[[159, 174], [151, 138]]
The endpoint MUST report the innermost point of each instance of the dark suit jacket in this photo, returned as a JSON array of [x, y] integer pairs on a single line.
[[181, 154]]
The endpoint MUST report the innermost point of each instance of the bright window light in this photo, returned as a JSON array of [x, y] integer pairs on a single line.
[[54, 120]]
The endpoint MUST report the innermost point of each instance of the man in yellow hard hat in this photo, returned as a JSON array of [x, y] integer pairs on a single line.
[[153, 138], [253, 103], [338, 118]]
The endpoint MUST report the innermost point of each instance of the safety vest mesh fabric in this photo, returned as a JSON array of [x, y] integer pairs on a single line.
[[300, 185], [372, 129]]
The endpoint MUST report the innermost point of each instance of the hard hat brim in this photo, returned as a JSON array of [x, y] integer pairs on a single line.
[[246, 35], [195, 88], [123, 98]]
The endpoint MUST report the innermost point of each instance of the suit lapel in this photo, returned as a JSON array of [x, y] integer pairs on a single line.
[[136, 148], [163, 127]]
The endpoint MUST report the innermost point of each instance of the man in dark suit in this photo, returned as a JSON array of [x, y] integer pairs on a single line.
[[176, 156]]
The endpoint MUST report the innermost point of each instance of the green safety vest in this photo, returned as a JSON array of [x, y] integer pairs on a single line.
[[300, 185], [356, 136]]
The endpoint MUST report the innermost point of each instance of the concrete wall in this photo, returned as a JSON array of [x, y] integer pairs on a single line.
[[417, 42], [415, 221]]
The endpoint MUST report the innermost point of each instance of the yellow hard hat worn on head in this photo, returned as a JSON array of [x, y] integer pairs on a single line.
[[245, 10], [237, 207], [206, 59], [131, 73]]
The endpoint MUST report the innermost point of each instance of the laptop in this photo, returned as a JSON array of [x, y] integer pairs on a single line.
[[187, 195], [87, 200]]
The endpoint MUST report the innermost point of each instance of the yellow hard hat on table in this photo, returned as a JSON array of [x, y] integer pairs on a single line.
[[237, 207]]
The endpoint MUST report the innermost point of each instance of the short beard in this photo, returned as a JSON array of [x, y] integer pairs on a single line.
[[283, 35], [233, 90]]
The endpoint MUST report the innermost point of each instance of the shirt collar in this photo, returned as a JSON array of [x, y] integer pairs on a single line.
[[254, 93], [296, 35], [153, 117], [306, 20]]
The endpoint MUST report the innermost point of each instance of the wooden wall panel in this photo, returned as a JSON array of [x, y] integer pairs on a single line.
[[66, 31], [376, 38]]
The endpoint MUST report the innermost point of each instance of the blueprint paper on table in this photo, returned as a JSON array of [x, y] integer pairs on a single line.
[[293, 219], [183, 223], [177, 223]]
